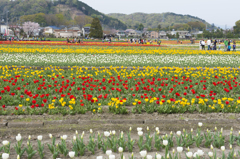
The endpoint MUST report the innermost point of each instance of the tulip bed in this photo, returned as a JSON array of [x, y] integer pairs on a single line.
[[77, 90], [146, 145], [22, 55]]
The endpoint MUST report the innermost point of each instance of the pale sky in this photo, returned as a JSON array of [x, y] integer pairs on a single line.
[[219, 12]]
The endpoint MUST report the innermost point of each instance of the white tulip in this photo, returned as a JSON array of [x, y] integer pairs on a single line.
[[200, 153], [39, 137], [91, 131], [29, 137], [18, 157], [191, 129], [159, 156], [223, 148], [18, 138], [113, 132], [215, 128], [130, 129], [120, 149], [108, 152], [165, 142], [178, 133], [76, 132], [5, 142], [179, 149], [5, 156], [99, 157], [230, 147], [71, 154], [64, 137], [189, 154], [210, 154], [195, 154], [74, 138], [143, 153], [149, 157], [106, 133], [83, 133], [157, 128], [112, 157], [221, 130], [140, 133], [50, 136], [168, 155], [200, 124], [147, 128], [139, 129]]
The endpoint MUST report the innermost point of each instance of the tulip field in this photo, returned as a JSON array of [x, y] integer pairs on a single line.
[[108, 84]]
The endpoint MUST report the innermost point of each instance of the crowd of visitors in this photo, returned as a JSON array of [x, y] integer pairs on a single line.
[[212, 44]]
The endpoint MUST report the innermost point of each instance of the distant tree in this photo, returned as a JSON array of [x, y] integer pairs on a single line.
[[30, 27], [87, 25], [177, 35], [40, 18], [159, 27], [96, 29], [237, 28], [82, 20], [140, 27]]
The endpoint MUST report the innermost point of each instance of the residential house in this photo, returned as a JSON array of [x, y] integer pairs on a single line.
[[86, 31], [154, 35], [135, 33], [50, 30], [121, 33], [162, 35], [182, 34], [195, 34], [65, 33], [127, 31], [75, 28], [3, 29]]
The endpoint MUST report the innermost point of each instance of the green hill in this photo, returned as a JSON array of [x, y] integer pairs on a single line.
[[68, 8], [154, 19]]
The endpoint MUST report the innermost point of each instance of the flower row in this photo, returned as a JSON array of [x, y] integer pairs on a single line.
[[110, 142]]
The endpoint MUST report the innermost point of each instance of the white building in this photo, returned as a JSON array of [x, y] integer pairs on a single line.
[[3, 29]]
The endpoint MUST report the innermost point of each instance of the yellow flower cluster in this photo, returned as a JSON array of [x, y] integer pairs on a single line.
[[116, 102]]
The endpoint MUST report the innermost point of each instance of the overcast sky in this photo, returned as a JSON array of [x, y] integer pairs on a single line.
[[219, 12]]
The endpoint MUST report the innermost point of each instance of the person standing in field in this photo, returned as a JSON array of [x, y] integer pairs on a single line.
[[209, 44], [215, 45], [203, 45], [226, 45], [234, 45], [200, 45], [219, 45], [229, 45]]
